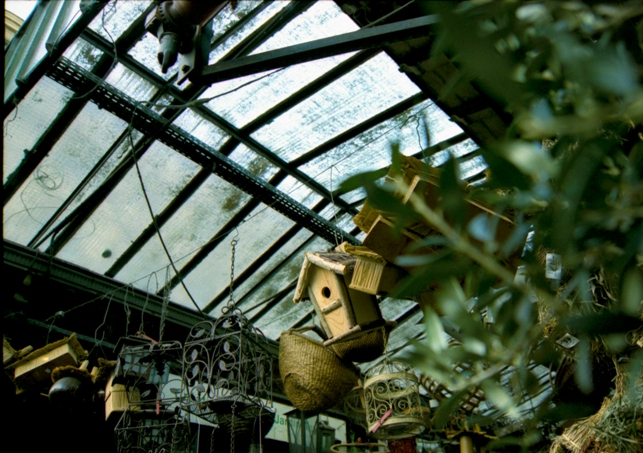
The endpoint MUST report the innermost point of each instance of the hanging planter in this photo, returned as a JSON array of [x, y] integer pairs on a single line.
[[392, 400]]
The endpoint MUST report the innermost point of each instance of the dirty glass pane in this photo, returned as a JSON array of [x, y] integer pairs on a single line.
[[83, 54], [118, 152], [299, 192], [117, 16], [131, 83], [250, 96], [66, 165], [28, 121], [122, 216], [256, 164], [212, 276], [302, 237], [204, 130], [374, 86], [459, 150], [145, 52], [189, 229], [221, 50], [228, 16], [371, 150]]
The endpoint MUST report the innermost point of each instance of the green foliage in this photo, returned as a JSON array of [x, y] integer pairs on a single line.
[[570, 74]]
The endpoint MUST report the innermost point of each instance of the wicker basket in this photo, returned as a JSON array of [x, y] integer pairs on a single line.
[[366, 348], [314, 377]]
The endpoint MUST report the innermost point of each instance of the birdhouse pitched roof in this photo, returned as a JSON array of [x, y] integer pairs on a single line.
[[338, 262]]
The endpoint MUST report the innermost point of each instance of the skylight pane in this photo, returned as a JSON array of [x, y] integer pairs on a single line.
[[212, 276], [131, 83], [281, 317], [256, 164], [189, 229], [70, 160], [288, 273], [228, 16], [459, 150], [83, 54], [120, 152], [122, 216], [370, 88], [255, 94], [204, 130], [275, 260], [28, 121], [221, 50], [299, 191], [116, 17], [394, 308], [371, 150], [145, 52]]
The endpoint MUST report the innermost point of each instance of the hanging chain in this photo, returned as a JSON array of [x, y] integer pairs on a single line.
[[166, 302], [231, 304], [234, 406], [214, 428]]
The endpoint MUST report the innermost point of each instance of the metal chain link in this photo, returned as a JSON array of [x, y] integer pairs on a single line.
[[234, 406], [214, 428], [231, 304]]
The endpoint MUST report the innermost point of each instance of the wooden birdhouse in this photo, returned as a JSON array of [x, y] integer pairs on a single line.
[[344, 312], [372, 273], [35, 369]]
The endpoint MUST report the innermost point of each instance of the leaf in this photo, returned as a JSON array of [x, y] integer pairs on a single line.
[[446, 408], [453, 203], [583, 369], [504, 174], [500, 397], [603, 323], [360, 180], [632, 293], [480, 228], [435, 336]]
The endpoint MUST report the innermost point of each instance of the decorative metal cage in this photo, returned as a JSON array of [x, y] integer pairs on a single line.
[[151, 431], [227, 369], [392, 400]]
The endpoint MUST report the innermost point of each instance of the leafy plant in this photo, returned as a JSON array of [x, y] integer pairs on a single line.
[[571, 172]]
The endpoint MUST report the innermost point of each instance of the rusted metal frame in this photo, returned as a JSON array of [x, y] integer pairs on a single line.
[[365, 38]]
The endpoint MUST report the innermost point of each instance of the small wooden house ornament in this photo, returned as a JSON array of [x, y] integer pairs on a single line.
[[35, 369], [345, 313]]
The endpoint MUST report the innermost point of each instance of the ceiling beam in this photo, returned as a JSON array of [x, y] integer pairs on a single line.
[[364, 38]]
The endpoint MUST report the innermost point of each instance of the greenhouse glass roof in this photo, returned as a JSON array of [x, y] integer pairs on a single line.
[[104, 154]]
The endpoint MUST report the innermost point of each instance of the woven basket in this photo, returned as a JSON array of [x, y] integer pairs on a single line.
[[365, 348], [314, 377]]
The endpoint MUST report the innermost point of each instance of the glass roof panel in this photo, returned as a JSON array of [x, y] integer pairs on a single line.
[[123, 215], [131, 83], [212, 276], [371, 150], [277, 259], [117, 17], [282, 316], [113, 158], [228, 16], [145, 52], [221, 50], [257, 93], [199, 127], [392, 308], [70, 160], [374, 86], [28, 121], [83, 54], [256, 164], [189, 229], [459, 150], [299, 192]]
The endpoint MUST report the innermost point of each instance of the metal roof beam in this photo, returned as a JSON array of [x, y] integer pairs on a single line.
[[365, 38]]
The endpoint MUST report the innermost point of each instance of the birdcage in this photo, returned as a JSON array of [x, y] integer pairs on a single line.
[[392, 401], [152, 431], [227, 368]]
